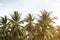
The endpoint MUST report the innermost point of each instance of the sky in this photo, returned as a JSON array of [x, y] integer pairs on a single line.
[[30, 6]]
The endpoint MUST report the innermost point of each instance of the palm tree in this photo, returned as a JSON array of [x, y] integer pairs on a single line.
[[16, 26], [4, 23], [44, 23], [29, 26]]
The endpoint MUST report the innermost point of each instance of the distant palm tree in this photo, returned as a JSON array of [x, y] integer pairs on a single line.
[[4, 23], [29, 26], [15, 22], [44, 23]]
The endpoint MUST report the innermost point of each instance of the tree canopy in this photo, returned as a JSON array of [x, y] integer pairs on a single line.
[[41, 29]]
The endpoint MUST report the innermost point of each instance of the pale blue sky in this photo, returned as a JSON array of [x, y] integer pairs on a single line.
[[30, 6]]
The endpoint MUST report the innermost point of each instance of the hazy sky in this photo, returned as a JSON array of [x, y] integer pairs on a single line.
[[30, 6]]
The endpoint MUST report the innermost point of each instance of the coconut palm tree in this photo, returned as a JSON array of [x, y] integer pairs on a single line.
[[16, 26], [44, 23], [4, 25], [29, 26]]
